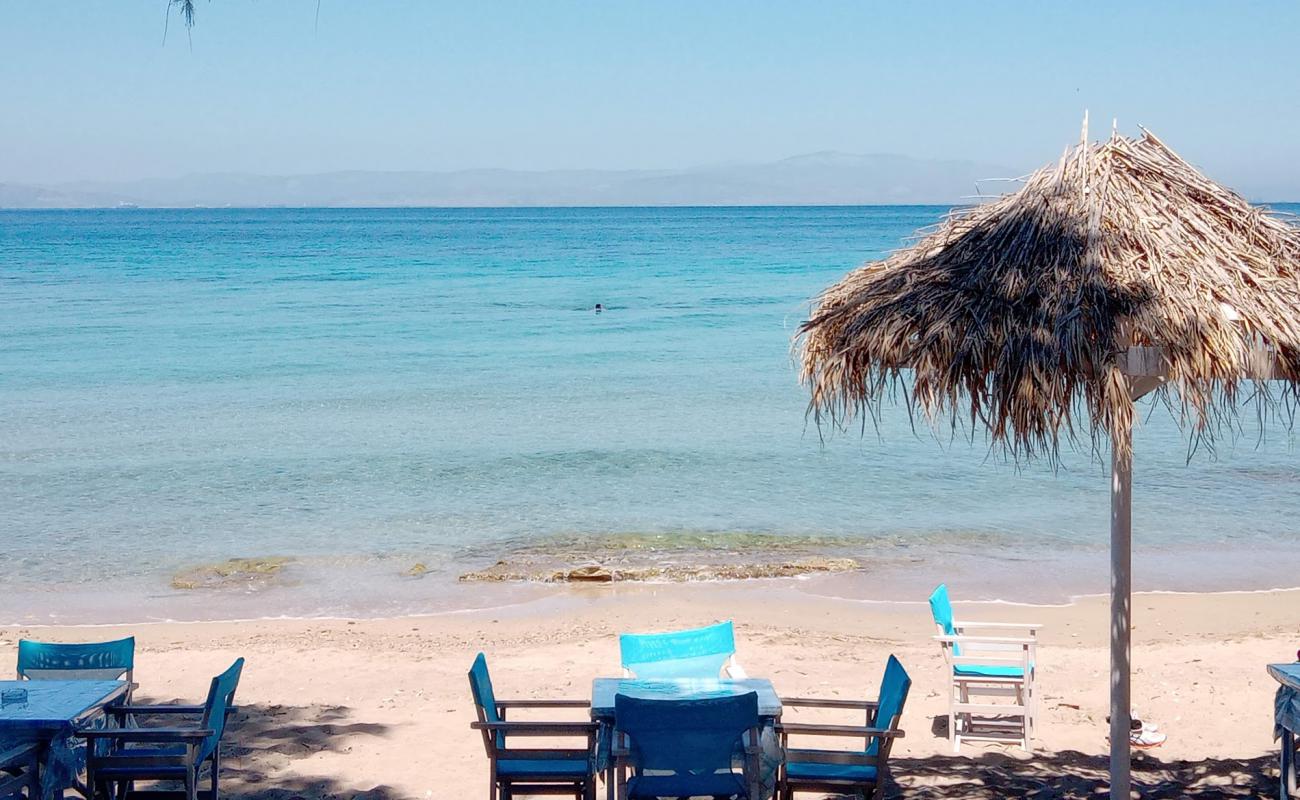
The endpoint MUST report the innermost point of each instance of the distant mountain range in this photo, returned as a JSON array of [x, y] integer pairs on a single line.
[[815, 179]]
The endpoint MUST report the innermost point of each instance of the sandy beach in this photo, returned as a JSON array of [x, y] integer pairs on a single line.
[[347, 708]]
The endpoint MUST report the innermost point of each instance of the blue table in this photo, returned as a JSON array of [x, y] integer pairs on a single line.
[[53, 711], [603, 691], [1286, 724]]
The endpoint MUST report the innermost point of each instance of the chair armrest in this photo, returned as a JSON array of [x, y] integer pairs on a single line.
[[816, 702], [538, 728], [811, 729], [1031, 626], [146, 734], [967, 639], [543, 704], [13, 754]]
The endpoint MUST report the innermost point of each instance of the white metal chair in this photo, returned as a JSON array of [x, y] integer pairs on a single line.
[[984, 668]]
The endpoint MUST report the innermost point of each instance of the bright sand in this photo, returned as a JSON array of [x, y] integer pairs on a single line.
[[339, 708]]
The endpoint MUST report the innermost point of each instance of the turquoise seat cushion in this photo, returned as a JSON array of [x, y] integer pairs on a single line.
[[543, 768], [988, 671], [848, 773], [717, 784]]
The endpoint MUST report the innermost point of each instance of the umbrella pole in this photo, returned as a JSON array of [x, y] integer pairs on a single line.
[[1121, 557]]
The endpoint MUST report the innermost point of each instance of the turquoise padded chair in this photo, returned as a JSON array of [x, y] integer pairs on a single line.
[[997, 662], [684, 748], [177, 752], [846, 771], [517, 771], [694, 653]]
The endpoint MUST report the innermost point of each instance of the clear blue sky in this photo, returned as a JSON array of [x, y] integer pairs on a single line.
[[89, 90]]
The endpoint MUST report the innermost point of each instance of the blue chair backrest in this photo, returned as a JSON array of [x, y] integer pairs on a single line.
[[694, 653], [85, 661], [685, 736], [941, 609], [480, 685], [221, 697], [894, 687]]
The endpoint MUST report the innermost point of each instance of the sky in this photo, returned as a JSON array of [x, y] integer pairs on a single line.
[[90, 90]]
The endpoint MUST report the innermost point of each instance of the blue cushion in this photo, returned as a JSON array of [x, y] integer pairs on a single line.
[[987, 671], [807, 771], [543, 768], [716, 784]]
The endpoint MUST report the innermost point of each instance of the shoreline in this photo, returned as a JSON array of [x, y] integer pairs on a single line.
[[352, 588], [364, 698], [559, 596]]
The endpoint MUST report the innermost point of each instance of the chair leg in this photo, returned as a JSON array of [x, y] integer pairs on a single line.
[[954, 697], [215, 766]]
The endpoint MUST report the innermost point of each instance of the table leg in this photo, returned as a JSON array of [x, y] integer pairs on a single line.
[[1289, 781]]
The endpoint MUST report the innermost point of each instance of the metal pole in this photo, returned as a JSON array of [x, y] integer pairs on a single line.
[[1121, 594]]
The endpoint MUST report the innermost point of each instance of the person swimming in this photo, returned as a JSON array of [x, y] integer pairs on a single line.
[[599, 308]]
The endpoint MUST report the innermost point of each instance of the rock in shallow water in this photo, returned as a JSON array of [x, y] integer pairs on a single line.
[[675, 573]]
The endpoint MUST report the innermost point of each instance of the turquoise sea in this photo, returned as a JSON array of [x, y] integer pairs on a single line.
[[362, 391]]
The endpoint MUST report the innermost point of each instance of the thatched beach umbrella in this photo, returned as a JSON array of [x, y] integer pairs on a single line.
[[1042, 316]]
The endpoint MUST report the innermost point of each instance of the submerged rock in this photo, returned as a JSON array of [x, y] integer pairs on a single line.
[[418, 570], [241, 573], [675, 573]]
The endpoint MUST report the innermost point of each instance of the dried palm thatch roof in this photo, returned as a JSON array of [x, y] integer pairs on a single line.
[[1015, 313]]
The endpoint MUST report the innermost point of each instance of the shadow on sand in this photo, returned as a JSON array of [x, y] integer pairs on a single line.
[[265, 740], [1070, 774]]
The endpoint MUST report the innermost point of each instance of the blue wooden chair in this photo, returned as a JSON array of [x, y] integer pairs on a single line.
[[174, 753], [685, 748], [846, 771], [694, 653], [987, 661], [19, 768], [518, 771], [90, 661]]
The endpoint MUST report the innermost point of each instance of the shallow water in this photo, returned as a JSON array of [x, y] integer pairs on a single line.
[[364, 390]]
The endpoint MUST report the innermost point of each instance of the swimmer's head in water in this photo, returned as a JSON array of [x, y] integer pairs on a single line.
[[599, 307]]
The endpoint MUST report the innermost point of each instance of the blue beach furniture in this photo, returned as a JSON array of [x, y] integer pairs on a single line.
[[519, 771], [846, 771], [694, 653], [176, 752], [81, 661], [685, 748], [91, 661], [20, 770], [996, 665]]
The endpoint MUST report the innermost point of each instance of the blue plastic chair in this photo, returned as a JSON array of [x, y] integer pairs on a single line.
[[684, 748], [524, 771], [998, 662], [91, 661], [171, 753], [695, 653], [840, 771]]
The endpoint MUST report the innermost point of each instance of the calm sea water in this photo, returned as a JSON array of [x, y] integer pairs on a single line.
[[364, 390]]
